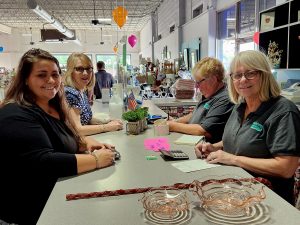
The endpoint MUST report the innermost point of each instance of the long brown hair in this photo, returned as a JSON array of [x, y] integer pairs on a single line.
[[18, 92]]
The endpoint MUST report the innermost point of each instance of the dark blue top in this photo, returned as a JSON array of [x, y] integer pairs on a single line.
[[103, 80], [80, 101]]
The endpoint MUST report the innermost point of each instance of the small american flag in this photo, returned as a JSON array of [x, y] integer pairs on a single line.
[[132, 104]]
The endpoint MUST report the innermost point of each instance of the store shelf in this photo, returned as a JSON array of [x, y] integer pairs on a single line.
[[281, 24]]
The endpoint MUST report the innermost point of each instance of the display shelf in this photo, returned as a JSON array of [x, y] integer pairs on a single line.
[[295, 11], [281, 24]]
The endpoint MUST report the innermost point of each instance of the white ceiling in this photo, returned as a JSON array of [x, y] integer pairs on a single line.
[[77, 14]]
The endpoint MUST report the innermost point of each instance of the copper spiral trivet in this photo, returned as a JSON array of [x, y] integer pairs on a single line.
[[70, 197]]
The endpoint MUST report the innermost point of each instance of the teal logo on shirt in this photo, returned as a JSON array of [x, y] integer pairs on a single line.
[[257, 126], [206, 105]]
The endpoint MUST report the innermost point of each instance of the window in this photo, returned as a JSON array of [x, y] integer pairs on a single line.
[[197, 11], [246, 16], [265, 4], [63, 58], [226, 35], [110, 61], [236, 27]]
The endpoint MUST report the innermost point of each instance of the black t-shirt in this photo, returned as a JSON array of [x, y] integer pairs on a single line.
[[212, 114], [35, 152], [273, 130]]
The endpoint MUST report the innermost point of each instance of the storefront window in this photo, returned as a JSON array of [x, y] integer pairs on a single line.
[[265, 4], [110, 61], [226, 35], [246, 16], [236, 27]]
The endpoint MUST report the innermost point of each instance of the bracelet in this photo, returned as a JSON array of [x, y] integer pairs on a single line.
[[96, 158]]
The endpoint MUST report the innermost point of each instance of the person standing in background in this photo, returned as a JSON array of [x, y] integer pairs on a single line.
[[103, 79]]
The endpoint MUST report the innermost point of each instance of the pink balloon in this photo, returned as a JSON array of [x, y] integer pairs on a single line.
[[132, 40]]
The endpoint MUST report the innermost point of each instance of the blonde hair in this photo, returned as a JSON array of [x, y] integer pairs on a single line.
[[254, 60], [209, 66], [71, 62]]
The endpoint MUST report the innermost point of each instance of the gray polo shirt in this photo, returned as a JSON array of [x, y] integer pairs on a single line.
[[212, 114], [273, 130]]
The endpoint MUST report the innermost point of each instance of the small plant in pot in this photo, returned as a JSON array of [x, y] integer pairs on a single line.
[[136, 120], [143, 114]]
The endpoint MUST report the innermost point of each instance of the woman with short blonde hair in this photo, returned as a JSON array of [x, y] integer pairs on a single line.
[[208, 66]]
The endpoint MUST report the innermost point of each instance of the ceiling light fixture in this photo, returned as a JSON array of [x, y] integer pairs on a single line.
[[46, 16]]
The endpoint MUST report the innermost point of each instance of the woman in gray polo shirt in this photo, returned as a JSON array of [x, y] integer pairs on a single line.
[[211, 113], [262, 132]]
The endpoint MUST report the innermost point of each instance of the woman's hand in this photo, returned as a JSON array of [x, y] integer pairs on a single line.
[[202, 150], [221, 156], [92, 144], [105, 157], [118, 120], [114, 125]]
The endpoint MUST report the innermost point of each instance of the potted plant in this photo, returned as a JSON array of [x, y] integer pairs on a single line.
[[143, 114], [135, 120]]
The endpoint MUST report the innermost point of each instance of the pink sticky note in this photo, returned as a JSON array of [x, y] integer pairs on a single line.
[[155, 144]]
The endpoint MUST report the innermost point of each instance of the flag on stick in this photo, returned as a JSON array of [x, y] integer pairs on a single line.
[[132, 104]]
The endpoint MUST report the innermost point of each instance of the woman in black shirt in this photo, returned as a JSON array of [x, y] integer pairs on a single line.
[[40, 141]]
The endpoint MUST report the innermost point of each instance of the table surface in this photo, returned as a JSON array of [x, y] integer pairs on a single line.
[[134, 171]]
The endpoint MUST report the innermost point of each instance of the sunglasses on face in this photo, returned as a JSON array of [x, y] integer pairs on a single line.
[[81, 69], [249, 75]]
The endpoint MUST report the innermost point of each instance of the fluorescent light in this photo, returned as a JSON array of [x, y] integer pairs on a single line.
[[46, 16], [55, 42], [104, 19]]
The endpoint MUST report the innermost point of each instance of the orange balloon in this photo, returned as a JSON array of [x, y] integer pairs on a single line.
[[115, 49], [120, 15]]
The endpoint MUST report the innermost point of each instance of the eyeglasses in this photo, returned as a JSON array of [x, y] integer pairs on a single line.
[[249, 75], [81, 69], [200, 81]]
